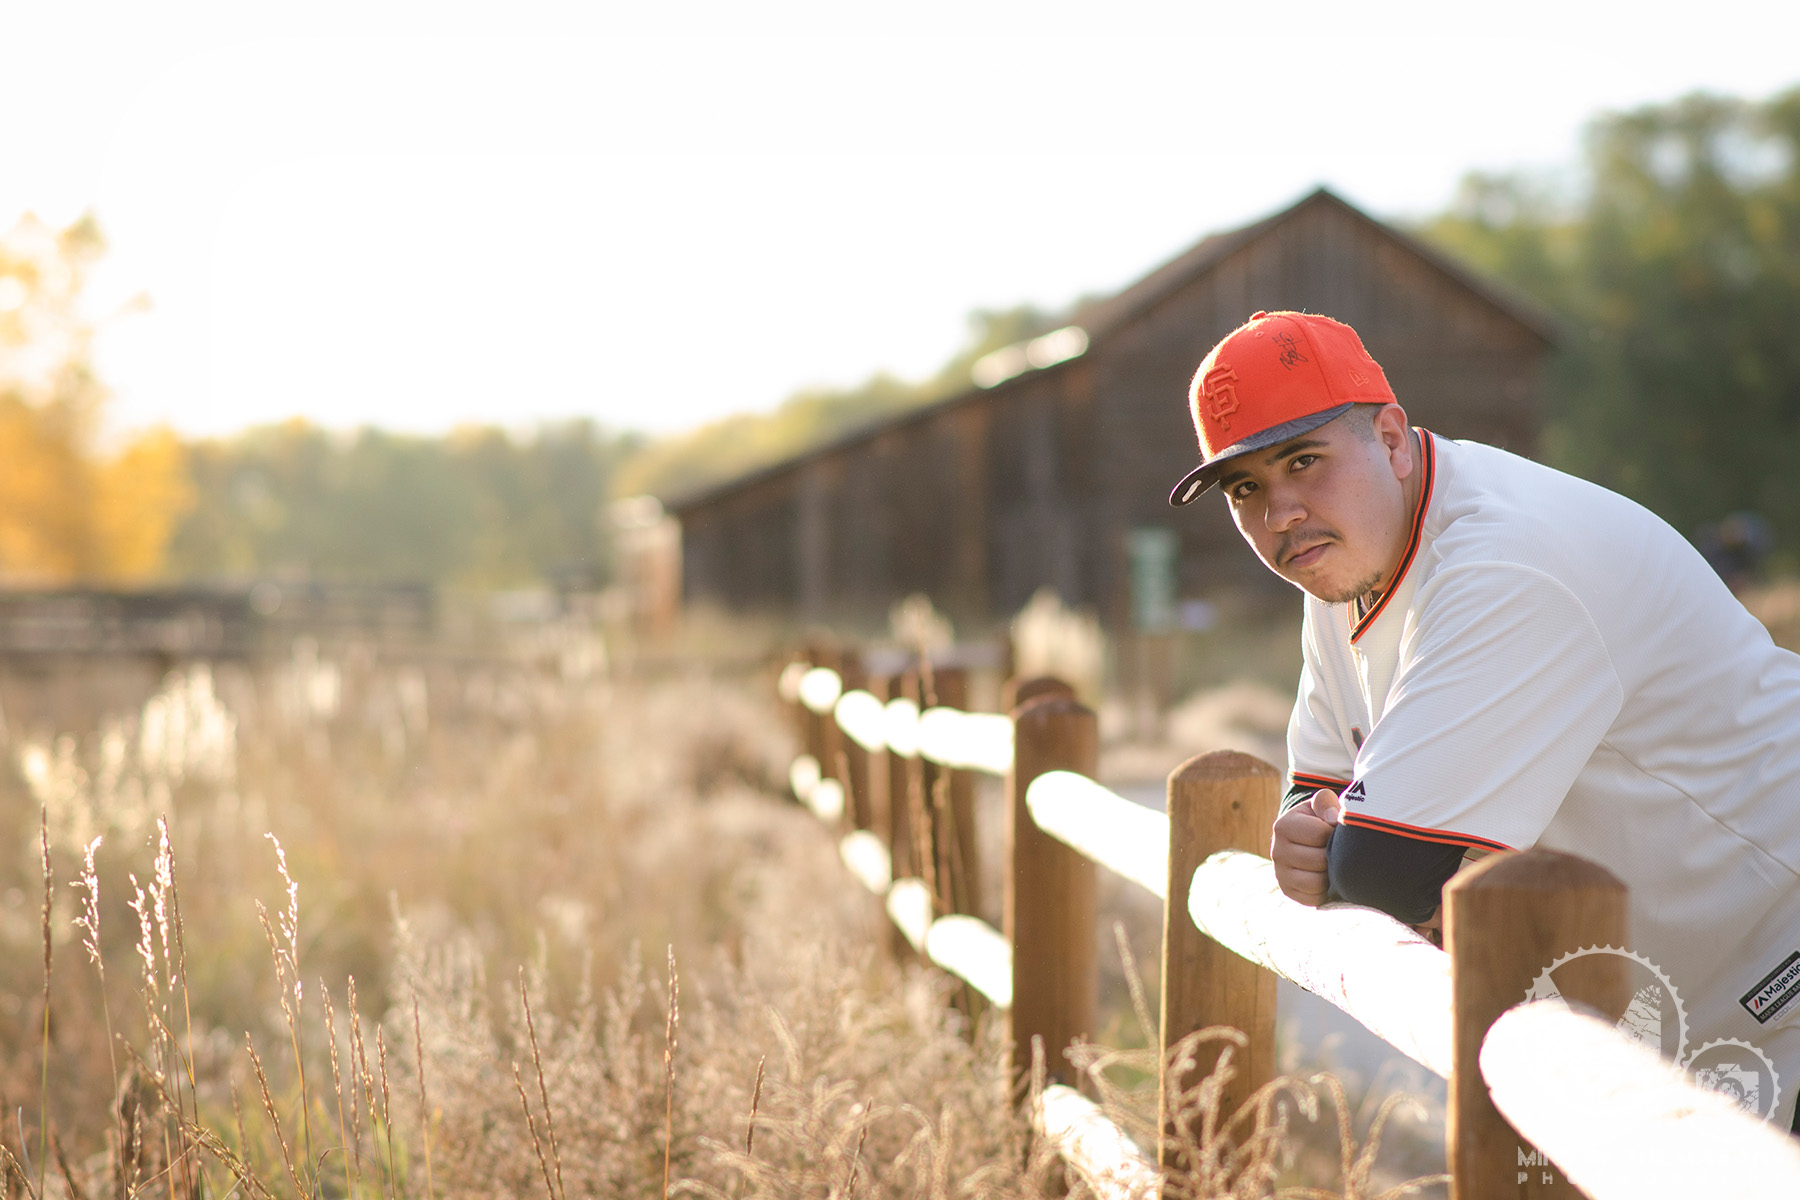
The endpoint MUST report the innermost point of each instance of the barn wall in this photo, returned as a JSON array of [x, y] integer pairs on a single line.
[[741, 550], [976, 505], [1043, 489]]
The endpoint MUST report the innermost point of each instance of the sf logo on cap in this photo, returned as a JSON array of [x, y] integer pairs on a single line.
[[1218, 394]]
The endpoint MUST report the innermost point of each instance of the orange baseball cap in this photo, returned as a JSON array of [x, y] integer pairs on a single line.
[[1273, 378]]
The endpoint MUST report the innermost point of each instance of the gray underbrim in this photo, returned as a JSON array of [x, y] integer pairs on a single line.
[[1196, 482]]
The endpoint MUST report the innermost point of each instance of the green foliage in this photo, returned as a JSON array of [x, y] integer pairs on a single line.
[[476, 508], [1678, 272], [743, 442], [1517, 228], [480, 508]]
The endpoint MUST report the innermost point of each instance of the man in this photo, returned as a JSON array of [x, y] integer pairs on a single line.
[[1498, 655]]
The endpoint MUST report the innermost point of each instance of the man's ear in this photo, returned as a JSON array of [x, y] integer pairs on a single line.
[[1394, 434]]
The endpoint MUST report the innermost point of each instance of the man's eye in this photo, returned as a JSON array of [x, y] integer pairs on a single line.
[[1241, 491], [1301, 461]]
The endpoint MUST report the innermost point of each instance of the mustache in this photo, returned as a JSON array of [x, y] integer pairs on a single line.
[[1298, 541]]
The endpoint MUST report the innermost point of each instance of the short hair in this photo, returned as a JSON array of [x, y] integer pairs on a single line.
[[1361, 420]]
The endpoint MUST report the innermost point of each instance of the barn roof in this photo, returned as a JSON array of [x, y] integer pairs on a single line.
[[1102, 318]]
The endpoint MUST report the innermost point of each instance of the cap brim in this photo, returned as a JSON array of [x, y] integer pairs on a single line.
[[1196, 482]]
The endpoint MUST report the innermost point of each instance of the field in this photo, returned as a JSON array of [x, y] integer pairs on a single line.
[[341, 925]]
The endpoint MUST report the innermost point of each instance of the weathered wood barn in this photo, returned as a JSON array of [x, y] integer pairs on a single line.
[[1051, 475]]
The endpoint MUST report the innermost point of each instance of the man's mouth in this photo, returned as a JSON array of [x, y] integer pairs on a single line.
[[1308, 555]]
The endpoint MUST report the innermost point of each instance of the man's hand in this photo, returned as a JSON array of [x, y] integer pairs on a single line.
[[1433, 928], [1298, 847]]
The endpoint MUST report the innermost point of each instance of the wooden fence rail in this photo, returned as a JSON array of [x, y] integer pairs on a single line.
[[1544, 1099], [1620, 1120], [1109, 1162], [1365, 962]]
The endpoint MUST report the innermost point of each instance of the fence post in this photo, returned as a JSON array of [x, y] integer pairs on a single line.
[[1507, 919], [883, 688], [796, 711], [952, 798], [915, 798], [888, 805], [830, 738], [1015, 692], [816, 727], [1050, 907], [853, 764], [1224, 800]]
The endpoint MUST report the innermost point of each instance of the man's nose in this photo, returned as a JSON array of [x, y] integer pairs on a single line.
[[1283, 509]]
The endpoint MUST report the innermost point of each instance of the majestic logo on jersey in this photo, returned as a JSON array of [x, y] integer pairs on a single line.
[[1354, 794], [1776, 991], [1219, 396]]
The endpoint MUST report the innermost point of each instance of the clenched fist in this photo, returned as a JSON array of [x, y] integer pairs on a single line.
[[1298, 846]]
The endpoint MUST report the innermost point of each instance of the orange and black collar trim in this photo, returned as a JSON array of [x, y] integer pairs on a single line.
[[1427, 464]]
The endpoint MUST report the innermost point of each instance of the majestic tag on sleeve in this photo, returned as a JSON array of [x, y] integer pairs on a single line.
[[1777, 990]]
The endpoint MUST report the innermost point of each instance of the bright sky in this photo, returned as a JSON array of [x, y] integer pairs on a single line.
[[423, 214]]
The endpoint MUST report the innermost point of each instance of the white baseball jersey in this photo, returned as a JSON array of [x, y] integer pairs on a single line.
[[1556, 666]]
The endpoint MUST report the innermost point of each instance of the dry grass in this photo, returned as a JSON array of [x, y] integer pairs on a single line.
[[436, 983], [1296, 1137]]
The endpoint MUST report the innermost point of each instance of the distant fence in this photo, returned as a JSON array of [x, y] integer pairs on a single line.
[[205, 622], [1544, 1099]]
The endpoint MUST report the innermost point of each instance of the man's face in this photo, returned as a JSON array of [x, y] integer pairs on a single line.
[[1329, 511]]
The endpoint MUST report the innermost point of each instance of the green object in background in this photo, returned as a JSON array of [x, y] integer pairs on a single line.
[[1153, 552]]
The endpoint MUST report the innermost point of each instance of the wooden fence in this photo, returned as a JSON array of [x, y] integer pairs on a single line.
[[232, 621], [1545, 1098]]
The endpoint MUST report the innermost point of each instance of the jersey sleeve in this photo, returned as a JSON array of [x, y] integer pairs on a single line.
[[1505, 688], [1320, 748], [1401, 876]]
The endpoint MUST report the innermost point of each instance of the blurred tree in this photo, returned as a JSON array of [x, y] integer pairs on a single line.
[[68, 510], [1517, 228], [477, 508], [1678, 271], [539, 502], [738, 444], [139, 496]]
